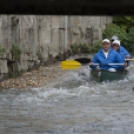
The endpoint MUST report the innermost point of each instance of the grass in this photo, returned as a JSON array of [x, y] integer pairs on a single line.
[[16, 52]]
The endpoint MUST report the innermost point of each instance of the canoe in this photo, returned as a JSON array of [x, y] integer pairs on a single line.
[[102, 75]]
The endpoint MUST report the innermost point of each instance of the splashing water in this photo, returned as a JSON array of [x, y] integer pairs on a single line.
[[75, 105]]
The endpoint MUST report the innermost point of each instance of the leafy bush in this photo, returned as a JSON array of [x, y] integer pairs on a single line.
[[124, 22], [80, 48], [123, 27], [75, 48], [16, 51], [96, 47], [128, 42], [113, 29], [86, 48]]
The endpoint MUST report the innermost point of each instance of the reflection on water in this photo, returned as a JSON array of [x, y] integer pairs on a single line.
[[76, 105]]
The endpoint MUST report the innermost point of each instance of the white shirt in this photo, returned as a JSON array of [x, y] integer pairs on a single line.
[[106, 54]]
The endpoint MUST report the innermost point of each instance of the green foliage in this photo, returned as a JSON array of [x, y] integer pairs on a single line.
[[76, 48], [13, 70], [86, 48], [2, 50], [39, 54], [80, 48], [96, 47], [113, 29], [16, 51], [128, 42], [124, 22]]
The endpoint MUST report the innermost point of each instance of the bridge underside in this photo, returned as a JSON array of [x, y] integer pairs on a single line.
[[70, 7]]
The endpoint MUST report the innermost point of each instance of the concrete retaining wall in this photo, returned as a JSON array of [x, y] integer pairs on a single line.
[[42, 38]]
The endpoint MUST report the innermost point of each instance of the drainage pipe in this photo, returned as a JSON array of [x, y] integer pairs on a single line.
[[66, 26]]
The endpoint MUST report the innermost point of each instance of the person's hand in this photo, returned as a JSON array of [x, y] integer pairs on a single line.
[[127, 57], [125, 64], [91, 64]]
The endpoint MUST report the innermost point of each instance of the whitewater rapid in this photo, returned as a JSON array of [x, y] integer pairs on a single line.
[[74, 104]]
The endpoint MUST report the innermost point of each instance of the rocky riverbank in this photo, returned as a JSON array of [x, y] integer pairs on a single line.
[[34, 78]]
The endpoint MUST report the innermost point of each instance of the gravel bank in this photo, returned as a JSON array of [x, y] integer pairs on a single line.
[[35, 78]]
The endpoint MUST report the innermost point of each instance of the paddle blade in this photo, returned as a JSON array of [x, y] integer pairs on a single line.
[[70, 64]]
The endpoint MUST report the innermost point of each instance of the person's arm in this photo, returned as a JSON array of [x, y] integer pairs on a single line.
[[119, 60], [94, 60], [127, 54], [127, 63]]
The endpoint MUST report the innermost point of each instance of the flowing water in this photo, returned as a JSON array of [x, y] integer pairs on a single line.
[[75, 105]]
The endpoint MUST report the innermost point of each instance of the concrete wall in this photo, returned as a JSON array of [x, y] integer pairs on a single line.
[[44, 35]]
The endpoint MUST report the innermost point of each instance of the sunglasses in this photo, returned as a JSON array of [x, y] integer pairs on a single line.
[[115, 45]]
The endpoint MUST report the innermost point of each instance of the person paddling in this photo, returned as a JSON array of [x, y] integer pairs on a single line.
[[107, 55], [124, 54], [121, 49], [113, 38]]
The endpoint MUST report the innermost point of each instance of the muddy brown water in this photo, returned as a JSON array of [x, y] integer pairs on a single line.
[[74, 105]]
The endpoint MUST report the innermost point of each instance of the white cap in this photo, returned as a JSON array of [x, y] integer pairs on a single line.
[[114, 38], [116, 42], [106, 40]]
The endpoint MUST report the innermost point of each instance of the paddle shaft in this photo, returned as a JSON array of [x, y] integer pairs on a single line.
[[108, 64], [112, 64], [101, 64], [129, 59]]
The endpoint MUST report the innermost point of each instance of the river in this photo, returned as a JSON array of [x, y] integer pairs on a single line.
[[74, 105]]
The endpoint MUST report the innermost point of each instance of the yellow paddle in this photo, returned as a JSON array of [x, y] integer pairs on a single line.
[[72, 64]]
